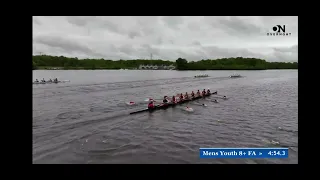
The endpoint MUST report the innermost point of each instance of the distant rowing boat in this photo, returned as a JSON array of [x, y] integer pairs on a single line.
[[162, 106], [235, 76], [50, 82], [200, 76]]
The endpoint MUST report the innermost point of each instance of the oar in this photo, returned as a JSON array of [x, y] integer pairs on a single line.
[[221, 97], [215, 101], [200, 104]]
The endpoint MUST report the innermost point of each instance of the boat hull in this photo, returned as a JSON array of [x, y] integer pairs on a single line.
[[165, 106]]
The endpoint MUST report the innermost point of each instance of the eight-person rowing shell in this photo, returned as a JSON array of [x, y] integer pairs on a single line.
[[182, 97], [50, 80]]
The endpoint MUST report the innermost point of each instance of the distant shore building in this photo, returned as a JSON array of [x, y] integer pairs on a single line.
[[155, 67]]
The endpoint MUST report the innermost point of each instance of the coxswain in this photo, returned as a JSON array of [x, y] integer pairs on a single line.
[[224, 97], [150, 105], [186, 95], [198, 93], [181, 97], [192, 94], [208, 91], [203, 92]]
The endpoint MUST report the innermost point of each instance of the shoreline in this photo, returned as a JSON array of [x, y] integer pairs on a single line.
[[162, 69]]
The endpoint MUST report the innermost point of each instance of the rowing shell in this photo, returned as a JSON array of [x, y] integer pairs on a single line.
[[47, 82], [163, 106]]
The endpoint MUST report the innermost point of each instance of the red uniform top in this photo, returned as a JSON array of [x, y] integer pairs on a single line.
[[150, 105]]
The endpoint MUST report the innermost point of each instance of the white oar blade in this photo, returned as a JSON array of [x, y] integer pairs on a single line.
[[130, 103]]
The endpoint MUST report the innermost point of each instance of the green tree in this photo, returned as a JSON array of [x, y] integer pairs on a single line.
[[182, 64]]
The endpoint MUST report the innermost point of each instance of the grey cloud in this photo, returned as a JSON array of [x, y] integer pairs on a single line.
[[113, 27], [194, 26], [236, 26], [172, 21], [94, 22], [80, 20], [197, 43], [148, 31], [193, 38], [133, 34], [293, 49], [127, 49], [64, 44], [159, 41], [149, 49]]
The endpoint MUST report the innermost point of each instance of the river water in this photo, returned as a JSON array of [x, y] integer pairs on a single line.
[[87, 119]]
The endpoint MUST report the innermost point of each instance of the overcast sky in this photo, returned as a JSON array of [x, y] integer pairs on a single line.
[[167, 38]]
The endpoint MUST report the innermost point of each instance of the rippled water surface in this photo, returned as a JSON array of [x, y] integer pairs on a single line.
[[87, 119]]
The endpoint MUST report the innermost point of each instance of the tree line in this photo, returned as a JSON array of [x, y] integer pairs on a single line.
[[45, 61], [238, 63]]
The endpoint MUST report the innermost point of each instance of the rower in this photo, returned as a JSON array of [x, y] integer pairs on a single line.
[[37, 80], [150, 105], [43, 80], [186, 95], [50, 80], [203, 92], [165, 101], [192, 94], [173, 99], [208, 91], [224, 97], [181, 97], [198, 92]]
